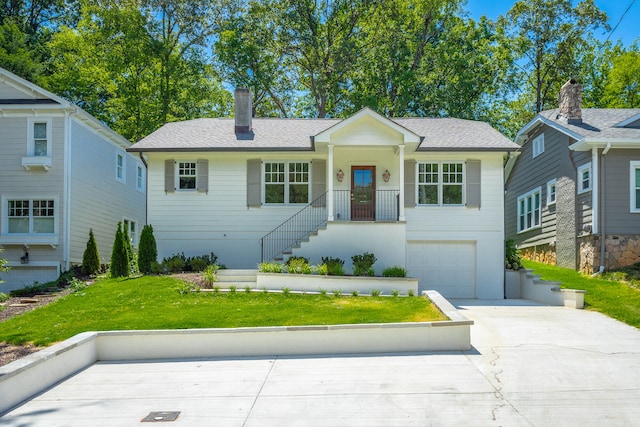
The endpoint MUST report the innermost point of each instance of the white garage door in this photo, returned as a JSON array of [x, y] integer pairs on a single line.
[[447, 267], [18, 276]]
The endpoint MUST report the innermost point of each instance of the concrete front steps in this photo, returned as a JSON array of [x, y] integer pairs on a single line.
[[238, 278], [527, 285]]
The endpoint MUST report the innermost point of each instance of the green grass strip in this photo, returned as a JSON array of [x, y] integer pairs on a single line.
[[617, 299], [152, 302]]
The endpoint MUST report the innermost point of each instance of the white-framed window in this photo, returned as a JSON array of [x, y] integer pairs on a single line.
[[529, 212], [551, 192], [286, 183], [634, 185], [140, 177], [30, 216], [187, 175], [538, 145], [39, 137], [441, 183], [584, 178], [132, 231], [120, 167]]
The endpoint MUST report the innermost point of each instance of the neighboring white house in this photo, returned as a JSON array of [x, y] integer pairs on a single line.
[[422, 193], [62, 172]]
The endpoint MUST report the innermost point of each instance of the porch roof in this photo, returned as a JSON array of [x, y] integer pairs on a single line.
[[278, 134]]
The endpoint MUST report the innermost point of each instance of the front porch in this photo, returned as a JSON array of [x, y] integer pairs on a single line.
[[350, 207]]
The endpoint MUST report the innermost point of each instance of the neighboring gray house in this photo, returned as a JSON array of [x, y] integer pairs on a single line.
[[422, 193], [62, 172], [575, 179]]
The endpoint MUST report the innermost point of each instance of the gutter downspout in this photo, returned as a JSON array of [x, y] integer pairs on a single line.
[[602, 219], [146, 188]]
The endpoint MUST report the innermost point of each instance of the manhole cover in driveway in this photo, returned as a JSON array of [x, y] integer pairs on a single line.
[[161, 416]]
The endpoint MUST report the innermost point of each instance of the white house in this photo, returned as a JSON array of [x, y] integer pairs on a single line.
[[422, 193], [62, 172]]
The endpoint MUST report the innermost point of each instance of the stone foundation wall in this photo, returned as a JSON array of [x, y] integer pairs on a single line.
[[620, 251], [541, 253]]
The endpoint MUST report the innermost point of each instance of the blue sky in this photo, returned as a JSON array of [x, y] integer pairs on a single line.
[[627, 31]]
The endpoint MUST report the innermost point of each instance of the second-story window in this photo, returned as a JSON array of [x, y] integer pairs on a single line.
[[120, 172]]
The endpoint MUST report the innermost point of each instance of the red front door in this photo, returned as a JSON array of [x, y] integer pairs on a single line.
[[363, 193]]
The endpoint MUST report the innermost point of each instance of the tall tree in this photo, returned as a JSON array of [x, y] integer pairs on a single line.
[[546, 34], [623, 84], [321, 40], [247, 54], [422, 59], [110, 66]]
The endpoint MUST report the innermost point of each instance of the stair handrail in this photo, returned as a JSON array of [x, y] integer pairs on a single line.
[[273, 245]]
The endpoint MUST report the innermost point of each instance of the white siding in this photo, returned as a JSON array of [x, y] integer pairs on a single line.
[[16, 182], [483, 226], [98, 200], [218, 221]]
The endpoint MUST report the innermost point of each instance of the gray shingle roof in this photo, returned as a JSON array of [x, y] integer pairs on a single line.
[[599, 123], [297, 134]]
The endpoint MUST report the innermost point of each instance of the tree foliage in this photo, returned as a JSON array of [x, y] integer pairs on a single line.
[[545, 36], [91, 257], [119, 266], [147, 250], [137, 64]]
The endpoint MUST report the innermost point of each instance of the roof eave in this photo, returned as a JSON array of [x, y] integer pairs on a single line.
[[135, 149], [589, 144], [470, 149]]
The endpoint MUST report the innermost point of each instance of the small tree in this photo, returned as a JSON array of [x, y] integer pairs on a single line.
[[119, 257], [132, 259], [147, 250], [91, 258]]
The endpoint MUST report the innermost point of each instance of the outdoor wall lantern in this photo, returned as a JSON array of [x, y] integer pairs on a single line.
[[340, 175], [386, 175]]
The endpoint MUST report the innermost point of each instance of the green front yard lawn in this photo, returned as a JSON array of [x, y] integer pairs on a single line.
[[154, 302], [616, 298]]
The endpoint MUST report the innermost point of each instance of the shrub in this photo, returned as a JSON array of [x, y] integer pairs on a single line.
[[286, 291], [147, 250], [247, 289], [271, 267], [410, 293], [298, 265], [375, 292], [337, 292], [395, 292], [188, 287], [363, 264], [297, 260], [322, 291], [210, 274], [119, 255], [335, 266], [4, 297], [197, 264], [355, 293], [395, 271], [175, 263], [233, 289], [512, 255], [91, 258], [321, 269]]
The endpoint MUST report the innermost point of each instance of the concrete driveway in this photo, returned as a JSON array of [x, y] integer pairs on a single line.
[[531, 365]]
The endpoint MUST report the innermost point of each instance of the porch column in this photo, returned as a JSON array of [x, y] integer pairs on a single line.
[[401, 181], [330, 184]]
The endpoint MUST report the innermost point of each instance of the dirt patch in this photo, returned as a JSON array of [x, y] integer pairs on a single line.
[[15, 306]]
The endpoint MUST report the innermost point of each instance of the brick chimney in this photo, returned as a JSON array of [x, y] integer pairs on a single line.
[[243, 110], [571, 102]]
